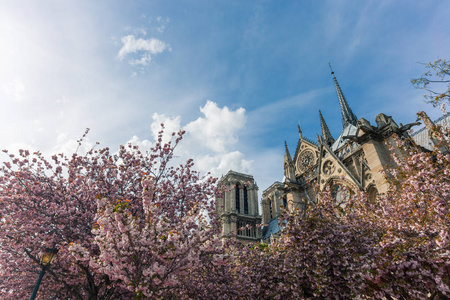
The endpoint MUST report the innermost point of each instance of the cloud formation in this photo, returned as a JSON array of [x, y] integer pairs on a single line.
[[210, 140], [143, 48], [219, 128]]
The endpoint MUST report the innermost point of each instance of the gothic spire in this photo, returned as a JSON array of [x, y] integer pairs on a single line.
[[326, 134], [348, 117], [300, 131], [288, 164], [287, 155]]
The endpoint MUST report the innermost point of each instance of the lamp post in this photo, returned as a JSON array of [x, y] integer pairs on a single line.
[[46, 260]]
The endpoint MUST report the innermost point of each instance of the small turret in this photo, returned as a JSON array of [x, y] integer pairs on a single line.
[[289, 172], [326, 134]]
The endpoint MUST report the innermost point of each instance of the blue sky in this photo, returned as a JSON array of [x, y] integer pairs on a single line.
[[237, 75]]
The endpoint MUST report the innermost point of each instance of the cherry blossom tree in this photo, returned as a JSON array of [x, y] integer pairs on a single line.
[[413, 257], [52, 204], [149, 246], [97, 209]]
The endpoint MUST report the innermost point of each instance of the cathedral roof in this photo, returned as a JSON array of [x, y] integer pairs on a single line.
[[271, 228], [421, 136], [350, 129]]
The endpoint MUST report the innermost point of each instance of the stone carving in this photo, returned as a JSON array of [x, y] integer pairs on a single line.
[[365, 125], [408, 126], [383, 120], [328, 167], [353, 138]]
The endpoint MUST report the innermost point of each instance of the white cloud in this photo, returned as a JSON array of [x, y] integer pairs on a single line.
[[66, 145], [233, 161], [210, 140], [145, 47], [141, 31], [220, 127], [144, 60], [170, 125], [143, 145]]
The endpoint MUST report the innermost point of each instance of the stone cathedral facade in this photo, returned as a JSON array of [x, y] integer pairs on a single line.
[[354, 159]]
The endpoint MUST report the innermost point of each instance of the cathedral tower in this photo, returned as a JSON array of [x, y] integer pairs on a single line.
[[237, 207]]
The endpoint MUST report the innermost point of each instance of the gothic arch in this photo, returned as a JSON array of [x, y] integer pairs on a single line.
[[337, 185], [372, 192], [238, 186], [333, 180]]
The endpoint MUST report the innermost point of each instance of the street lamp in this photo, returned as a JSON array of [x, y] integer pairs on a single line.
[[46, 260]]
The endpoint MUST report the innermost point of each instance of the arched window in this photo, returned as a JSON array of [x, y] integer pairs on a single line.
[[245, 201], [238, 199], [284, 202]]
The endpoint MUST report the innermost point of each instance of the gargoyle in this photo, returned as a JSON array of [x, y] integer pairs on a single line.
[[351, 137], [407, 127]]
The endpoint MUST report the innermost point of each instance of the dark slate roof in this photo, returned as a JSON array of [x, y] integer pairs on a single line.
[[271, 228]]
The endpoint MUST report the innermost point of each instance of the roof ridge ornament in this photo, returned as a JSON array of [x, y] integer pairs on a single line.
[[348, 117]]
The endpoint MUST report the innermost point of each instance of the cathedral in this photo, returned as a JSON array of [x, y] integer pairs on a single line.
[[354, 160]]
